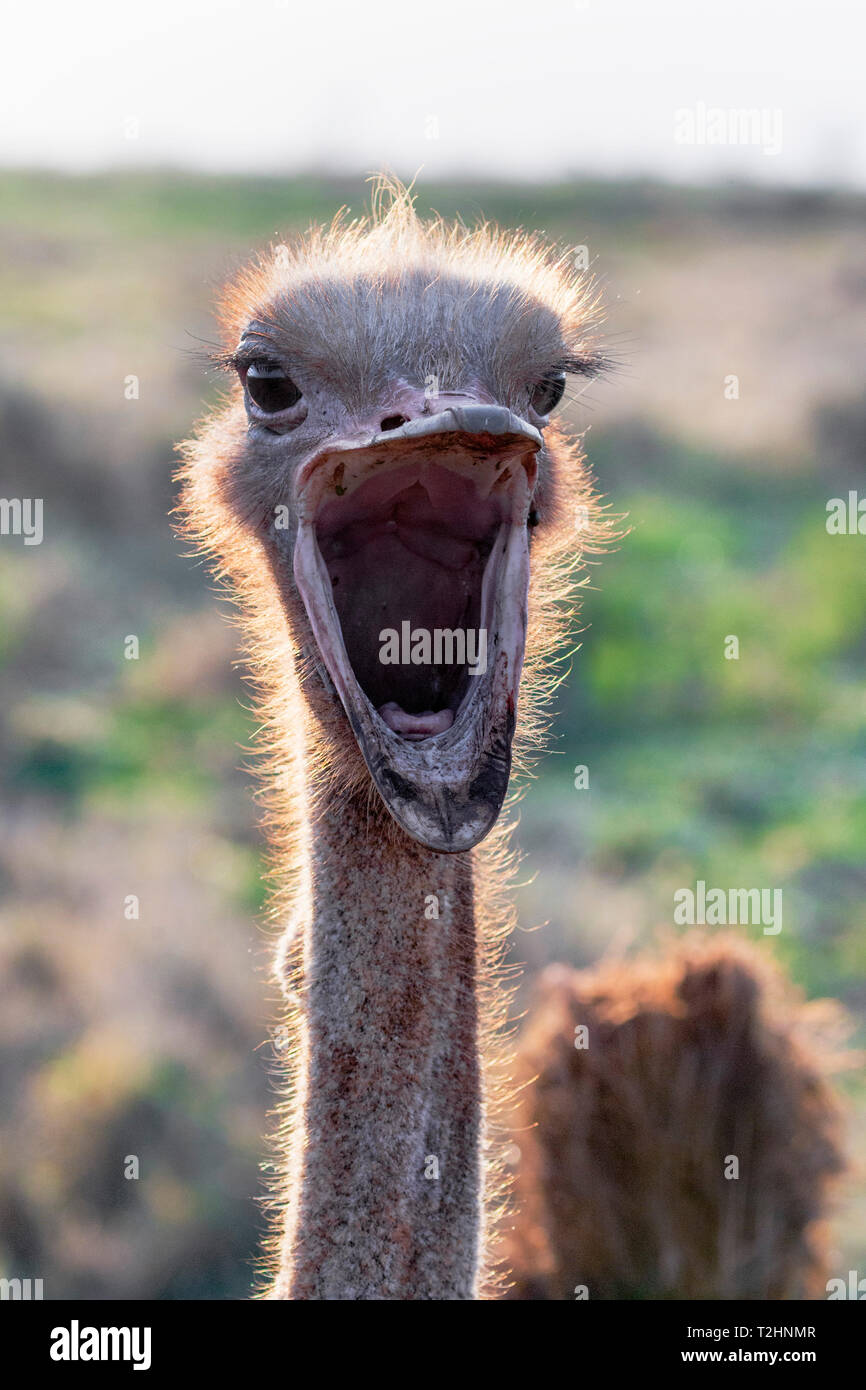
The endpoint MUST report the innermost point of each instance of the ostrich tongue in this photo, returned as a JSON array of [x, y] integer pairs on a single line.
[[405, 547], [416, 726]]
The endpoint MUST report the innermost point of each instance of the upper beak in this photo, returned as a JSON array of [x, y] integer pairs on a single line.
[[469, 425]]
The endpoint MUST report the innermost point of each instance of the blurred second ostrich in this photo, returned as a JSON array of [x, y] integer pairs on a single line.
[[678, 1130]]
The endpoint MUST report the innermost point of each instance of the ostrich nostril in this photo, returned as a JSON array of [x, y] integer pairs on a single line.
[[393, 422]]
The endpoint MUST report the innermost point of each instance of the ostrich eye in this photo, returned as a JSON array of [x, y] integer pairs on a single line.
[[548, 393], [270, 388]]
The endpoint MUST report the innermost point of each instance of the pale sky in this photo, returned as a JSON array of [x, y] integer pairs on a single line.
[[513, 90]]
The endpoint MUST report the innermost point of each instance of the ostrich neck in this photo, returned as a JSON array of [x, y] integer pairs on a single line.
[[387, 1184]]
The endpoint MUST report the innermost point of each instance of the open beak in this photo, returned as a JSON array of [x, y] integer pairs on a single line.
[[412, 559]]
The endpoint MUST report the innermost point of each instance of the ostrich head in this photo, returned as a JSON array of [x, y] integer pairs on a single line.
[[377, 480]]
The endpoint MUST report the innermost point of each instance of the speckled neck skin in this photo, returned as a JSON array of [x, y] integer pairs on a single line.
[[387, 1192]]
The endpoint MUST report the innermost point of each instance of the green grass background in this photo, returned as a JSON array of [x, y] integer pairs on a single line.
[[150, 1037]]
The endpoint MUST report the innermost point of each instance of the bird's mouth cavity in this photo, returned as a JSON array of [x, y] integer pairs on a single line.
[[412, 558]]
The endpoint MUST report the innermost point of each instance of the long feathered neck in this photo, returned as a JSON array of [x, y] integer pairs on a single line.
[[385, 1187], [378, 1191]]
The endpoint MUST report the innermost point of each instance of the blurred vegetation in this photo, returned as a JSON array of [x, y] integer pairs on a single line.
[[149, 1036]]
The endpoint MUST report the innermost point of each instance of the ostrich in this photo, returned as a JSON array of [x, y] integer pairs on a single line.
[[698, 1053], [379, 476]]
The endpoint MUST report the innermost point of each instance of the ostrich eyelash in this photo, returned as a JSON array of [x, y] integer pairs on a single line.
[[225, 361], [588, 364], [240, 361], [242, 358]]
